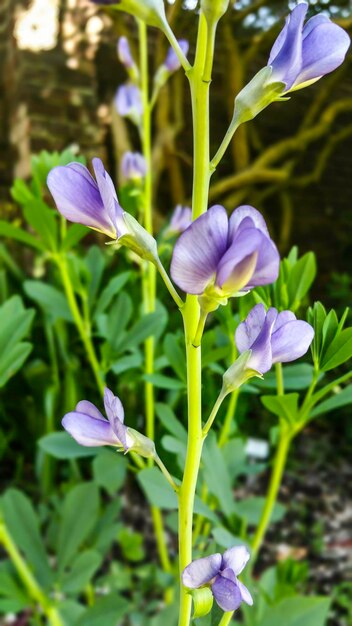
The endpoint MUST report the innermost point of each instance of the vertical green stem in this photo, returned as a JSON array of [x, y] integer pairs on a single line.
[[191, 314], [84, 332], [226, 619], [31, 584], [277, 472], [149, 277], [273, 490]]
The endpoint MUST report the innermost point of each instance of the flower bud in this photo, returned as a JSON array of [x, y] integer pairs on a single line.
[[137, 239], [214, 9], [140, 444], [150, 11], [239, 373]]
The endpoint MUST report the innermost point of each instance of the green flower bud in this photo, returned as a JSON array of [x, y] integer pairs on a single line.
[[214, 9]]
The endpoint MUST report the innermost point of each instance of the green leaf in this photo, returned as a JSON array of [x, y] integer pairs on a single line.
[[44, 221], [216, 475], [157, 490], [298, 376], [129, 362], [81, 571], [285, 407], [202, 601], [164, 382], [300, 279], [170, 421], [131, 544], [175, 355], [226, 539], [60, 445], [113, 287], [14, 232], [121, 310], [341, 398], [338, 352], [149, 325], [15, 322], [298, 611], [12, 598], [95, 262], [107, 611], [109, 470], [316, 317], [74, 234], [12, 361], [79, 516], [251, 509], [50, 299], [23, 526]]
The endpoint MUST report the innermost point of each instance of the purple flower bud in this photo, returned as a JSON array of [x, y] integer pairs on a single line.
[[302, 53], [89, 428], [180, 220], [124, 52], [217, 257], [133, 166], [81, 199], [272, 337], [220, 573], [128, 102], [171, 62]]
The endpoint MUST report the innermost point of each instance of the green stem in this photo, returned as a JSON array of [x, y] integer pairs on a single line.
[[230, 413], [194, 451], [31, 584], [191, 314], [214, 412], [166, 473], [226, 619], [149, 276], [171, 289], [224, 144], [82, 328], [200, 328], [176, 46], [276, 475], [274, 486]]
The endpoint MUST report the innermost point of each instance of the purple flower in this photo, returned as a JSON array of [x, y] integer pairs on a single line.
[[180, 220], [89, 428], [220, 572], [82, 199], [128, 102], [218, 257], [171, 62], [124, 52], [304, 53], [133, 166], [272, 337]]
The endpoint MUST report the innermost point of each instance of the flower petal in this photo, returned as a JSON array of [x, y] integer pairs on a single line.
[[248, 331], [113, 407], [324, 49], [288, 62], [246, 596], [199, 249], [283, 318], [84, 406], [226, 593], [108, 193], [291, 341], [261, 357], [236, 559], [77, 196], [268, 264], [89, 431], [201, 571], [237, 266], [240, 214]]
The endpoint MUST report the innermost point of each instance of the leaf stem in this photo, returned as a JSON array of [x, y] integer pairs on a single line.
[[82, 328], [31, 584]]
